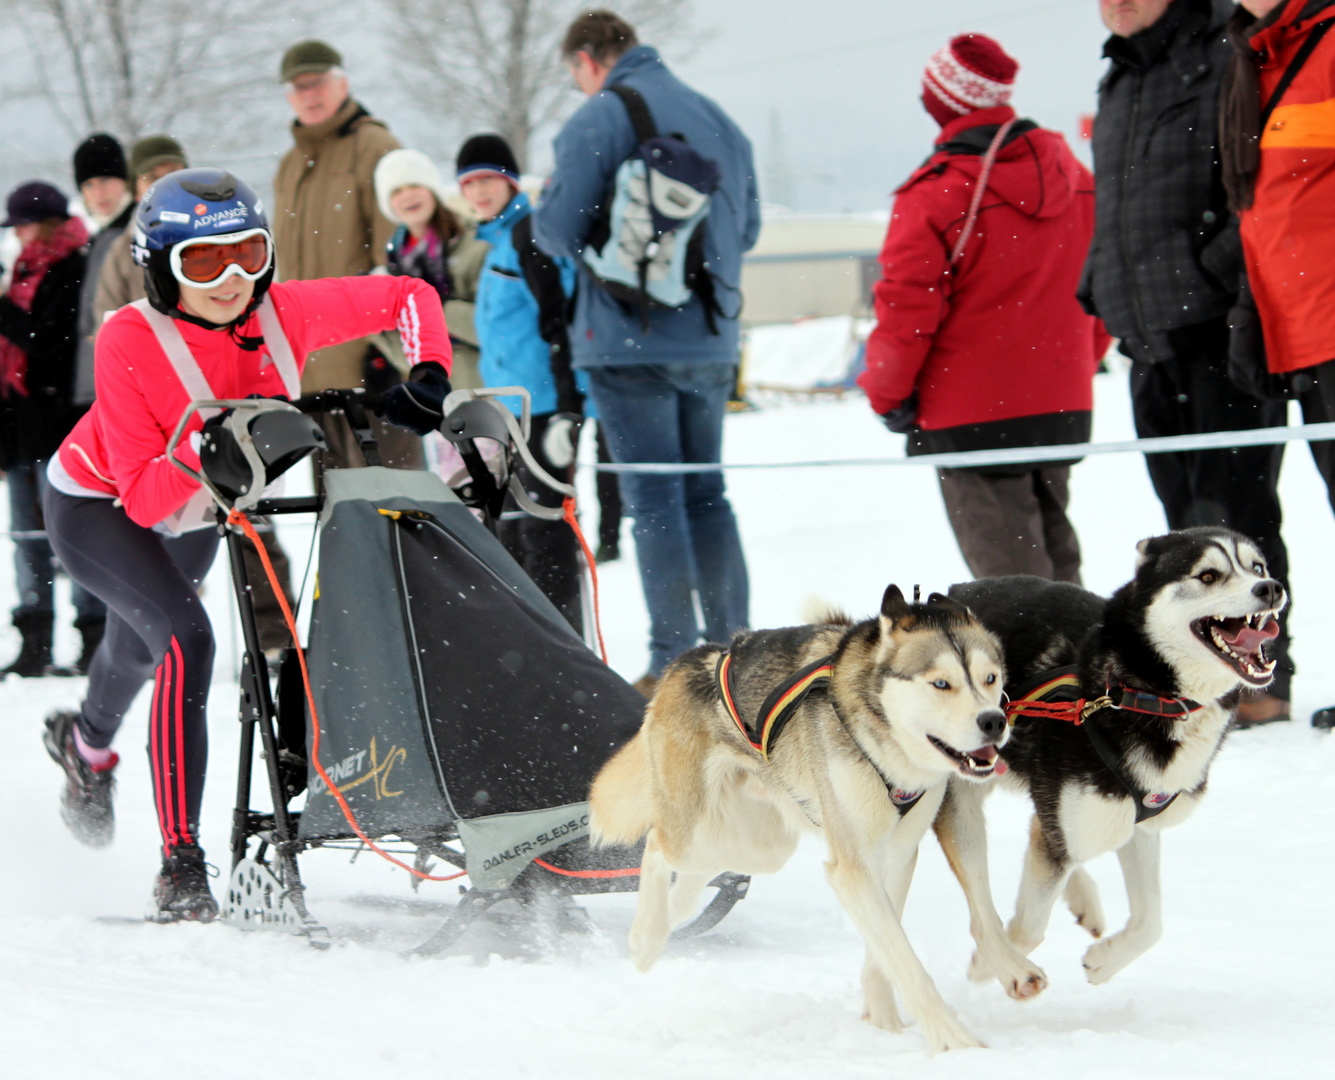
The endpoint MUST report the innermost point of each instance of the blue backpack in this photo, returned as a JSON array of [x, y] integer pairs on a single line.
[[647, 247]]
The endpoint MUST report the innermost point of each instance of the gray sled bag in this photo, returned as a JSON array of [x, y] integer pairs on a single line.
[[453, 698]]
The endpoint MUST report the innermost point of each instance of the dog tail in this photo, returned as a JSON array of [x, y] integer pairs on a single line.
[[819, 612], [620, 806]]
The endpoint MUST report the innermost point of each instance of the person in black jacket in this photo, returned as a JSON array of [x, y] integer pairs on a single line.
[[1163, 270], [39, 337]]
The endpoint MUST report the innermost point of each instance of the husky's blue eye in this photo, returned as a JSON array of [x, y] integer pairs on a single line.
[[1259, 568], [941, 684], [991, 679]]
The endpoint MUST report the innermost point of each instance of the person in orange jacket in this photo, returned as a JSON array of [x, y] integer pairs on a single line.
[[1281, 181]]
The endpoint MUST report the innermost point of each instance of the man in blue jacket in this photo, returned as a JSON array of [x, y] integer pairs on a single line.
[[661, 393]]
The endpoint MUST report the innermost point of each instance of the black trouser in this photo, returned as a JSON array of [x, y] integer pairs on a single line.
[[155, 620], [1236, 488], [547, 550], [609, 497], [1318, 406], [1013, 524]]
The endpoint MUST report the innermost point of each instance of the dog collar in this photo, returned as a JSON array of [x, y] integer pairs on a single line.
[[1057, 694], [778, 708]]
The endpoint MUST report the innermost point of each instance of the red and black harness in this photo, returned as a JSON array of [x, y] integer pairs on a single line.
[[779, 707], [1057, 695]]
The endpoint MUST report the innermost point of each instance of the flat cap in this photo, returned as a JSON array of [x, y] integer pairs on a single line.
[[154, 150], [306, 57]]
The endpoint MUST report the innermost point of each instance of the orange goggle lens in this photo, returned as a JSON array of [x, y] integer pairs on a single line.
[[203, 263]]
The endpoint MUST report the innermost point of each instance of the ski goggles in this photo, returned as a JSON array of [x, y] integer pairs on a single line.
[[210, 259]]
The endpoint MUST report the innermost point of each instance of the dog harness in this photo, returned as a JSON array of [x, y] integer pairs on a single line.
[[1056, 694], [778, 708]]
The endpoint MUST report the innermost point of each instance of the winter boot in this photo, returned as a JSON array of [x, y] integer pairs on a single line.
[[181, 892], [85, 804], [35, 656], [91, 630]]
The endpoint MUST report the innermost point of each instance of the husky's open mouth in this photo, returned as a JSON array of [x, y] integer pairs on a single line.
[[976, 763], [1240, 642]]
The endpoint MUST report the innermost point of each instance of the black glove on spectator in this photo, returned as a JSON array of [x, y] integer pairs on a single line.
[[903, 418], [418, 404]]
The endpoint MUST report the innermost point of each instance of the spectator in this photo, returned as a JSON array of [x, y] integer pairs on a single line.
[[1281, 180], [660, 394], [432, 244], [119, 280], [327, 224], [103, 182], [1163, 272], [523, 333], [39, 337], [979, 340]]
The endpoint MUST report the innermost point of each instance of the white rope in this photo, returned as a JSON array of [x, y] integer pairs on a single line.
[[1020, 455]]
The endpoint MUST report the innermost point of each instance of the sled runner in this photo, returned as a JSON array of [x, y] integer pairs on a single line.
[[443, 708]]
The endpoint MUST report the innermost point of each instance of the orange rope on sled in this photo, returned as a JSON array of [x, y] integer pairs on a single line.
[[573, 522], [630, 871], [238, 518]]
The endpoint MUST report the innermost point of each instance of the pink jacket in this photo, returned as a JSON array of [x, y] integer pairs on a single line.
[[120, 446]]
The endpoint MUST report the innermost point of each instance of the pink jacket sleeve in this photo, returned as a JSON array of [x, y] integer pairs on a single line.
[[911, 300], [150, 486], [330, 311]]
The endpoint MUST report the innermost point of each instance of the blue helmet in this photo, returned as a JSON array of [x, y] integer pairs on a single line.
[[192, 205]]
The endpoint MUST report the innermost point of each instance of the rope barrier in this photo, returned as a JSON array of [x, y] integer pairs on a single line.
[[1020, 455]]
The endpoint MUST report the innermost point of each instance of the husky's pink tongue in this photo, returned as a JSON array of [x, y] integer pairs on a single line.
[[1248, 640], [987, 753]]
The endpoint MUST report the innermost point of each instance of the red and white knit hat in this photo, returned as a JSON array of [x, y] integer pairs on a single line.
[[972, 72]]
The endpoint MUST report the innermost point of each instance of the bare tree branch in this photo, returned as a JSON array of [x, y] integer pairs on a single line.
[[496, 63]]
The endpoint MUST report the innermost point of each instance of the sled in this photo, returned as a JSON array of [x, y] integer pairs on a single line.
[[461, 719]]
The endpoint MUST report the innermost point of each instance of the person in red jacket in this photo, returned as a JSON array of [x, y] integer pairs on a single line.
[[1280, 177], [140, 534], [979, 340]]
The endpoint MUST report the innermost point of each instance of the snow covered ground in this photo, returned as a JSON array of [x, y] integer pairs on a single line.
[[1240, 984]]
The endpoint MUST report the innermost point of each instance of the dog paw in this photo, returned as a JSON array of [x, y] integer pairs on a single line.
[[1082, 897], [645, 949], [1029, 984], [887, 1019], [1106, 959], [947, 1033]]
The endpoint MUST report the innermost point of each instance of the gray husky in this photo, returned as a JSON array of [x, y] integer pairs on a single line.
[[849, 730]]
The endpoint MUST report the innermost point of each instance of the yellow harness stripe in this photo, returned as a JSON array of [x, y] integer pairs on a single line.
[[794, 692]]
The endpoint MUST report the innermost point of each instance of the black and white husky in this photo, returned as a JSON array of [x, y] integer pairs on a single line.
[[1154, 676]]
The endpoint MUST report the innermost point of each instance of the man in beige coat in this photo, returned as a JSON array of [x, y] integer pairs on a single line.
[[326, 222]]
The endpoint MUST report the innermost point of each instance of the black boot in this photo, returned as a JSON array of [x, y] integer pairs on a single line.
[[35, 656], [1324, 719], [181, 892], [91, 630], [85, 804]]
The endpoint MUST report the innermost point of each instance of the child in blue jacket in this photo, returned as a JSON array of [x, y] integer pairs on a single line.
[[521, 320]]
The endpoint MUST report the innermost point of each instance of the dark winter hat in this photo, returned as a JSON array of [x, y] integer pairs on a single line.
[[154, 150], [972, 72], [99, 155], [486, 154], [32, 202], [306, 57]]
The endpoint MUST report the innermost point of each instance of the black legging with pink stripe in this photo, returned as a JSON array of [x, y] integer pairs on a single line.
[[155, 620]]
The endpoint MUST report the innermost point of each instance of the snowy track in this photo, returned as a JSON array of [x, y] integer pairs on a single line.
[[1239, 986]]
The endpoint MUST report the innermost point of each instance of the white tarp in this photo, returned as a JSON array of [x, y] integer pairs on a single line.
[[802, 355]]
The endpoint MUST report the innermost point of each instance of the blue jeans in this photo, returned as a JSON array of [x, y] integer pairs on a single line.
[[685, 534], [34, 565]]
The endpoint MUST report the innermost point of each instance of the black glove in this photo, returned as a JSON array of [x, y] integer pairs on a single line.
[[418, 404], [221, 459], [903, 418]]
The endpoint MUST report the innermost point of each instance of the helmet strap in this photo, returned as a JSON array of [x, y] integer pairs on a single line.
[[249, 344]]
